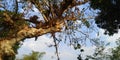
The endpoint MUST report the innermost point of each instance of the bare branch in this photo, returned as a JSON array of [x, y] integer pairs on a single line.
[[16, 6], [39, 5], [72, 3]]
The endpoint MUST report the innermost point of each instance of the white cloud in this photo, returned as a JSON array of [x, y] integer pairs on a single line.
[[109, 38], [114, 37]]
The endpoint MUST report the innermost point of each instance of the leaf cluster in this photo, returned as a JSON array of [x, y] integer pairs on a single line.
[[10, 23], [108, 17]]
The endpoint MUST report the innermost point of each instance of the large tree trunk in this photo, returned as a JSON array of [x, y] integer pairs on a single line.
[[0, 57], [8, 49]]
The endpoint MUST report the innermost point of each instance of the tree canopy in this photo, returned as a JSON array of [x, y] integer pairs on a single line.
[[109, 16], [32, 56]]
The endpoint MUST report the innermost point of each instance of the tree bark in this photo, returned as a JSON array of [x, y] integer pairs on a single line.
[[6, 44], [0, 57]]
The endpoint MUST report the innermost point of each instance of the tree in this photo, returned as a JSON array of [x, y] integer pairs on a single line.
[[33, 56], [101, 53], [108, 17], [57, 15], [115, 51]]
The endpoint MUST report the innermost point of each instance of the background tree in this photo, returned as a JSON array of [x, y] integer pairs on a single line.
[[102, 53], [33, 56], [115, 51], [108, 16], [58, 16]]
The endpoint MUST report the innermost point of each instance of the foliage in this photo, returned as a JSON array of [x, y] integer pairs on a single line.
[[33, 56], [10, 28], [101, 53], [116, 51], [108, 17]]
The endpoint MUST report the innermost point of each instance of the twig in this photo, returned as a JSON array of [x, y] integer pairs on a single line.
[[56, 46]]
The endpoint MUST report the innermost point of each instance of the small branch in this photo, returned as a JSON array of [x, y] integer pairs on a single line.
[[72, 4], [16, 6], [56, 46], [38, 5], [36, 22], [64, 5]]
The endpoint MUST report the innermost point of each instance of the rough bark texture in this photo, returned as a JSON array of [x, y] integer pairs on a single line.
[[7, 44]]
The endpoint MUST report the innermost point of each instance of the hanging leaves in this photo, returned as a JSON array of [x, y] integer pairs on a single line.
[[86, 23]]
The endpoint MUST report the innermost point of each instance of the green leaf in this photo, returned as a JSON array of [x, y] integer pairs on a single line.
[[82, 50], [78, 46], [86, 23]]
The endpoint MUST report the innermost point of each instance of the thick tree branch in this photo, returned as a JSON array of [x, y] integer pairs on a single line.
[[72, 3], [6, 44]]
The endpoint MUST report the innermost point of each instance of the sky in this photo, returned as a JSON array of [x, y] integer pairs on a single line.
[[66, 52]]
